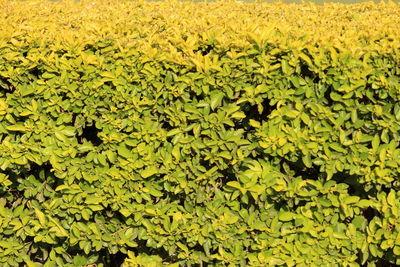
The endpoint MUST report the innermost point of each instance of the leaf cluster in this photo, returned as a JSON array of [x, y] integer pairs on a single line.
[[189, 134]]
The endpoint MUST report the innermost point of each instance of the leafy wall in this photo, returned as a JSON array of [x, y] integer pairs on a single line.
[[180, 133]]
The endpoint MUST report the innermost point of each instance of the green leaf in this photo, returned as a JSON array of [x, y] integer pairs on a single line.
[[93, 227], [286, 216], [125, 212], [124, 152], [16, 128], [86, 214], [306, 58], [396, 250], [69, 131], [375, 142], [391, 198], [364, 203], [359, 222], [307, 161], [102, 159], [237, 185], [86, 146], [176, 153], [174, 132], [225, 154], [292, 113], [216, 99], [354, 116], [337, 147], [111, 155], [60, 136], [40, 215], [238, 115], [27, 90], [150, 171], [305, 118], [61, 187], [254, 123]]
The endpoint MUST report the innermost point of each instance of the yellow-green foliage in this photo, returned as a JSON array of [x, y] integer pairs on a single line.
[[199, 133]]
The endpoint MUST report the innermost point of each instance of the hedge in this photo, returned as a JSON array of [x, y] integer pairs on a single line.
[[199, 134]]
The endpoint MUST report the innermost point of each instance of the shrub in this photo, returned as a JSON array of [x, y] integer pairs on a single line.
[[199, 133]]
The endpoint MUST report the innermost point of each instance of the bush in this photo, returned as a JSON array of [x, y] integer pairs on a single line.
[[199, 133]]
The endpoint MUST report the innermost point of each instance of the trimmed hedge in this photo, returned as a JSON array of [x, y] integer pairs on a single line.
[[221, 134]]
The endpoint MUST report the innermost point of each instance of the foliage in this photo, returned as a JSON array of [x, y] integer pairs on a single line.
[[193, 133]]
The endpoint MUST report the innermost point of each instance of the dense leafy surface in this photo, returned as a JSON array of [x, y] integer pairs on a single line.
[[181, 133]]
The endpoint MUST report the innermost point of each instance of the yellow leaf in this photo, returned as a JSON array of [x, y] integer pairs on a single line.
[[40, 215]]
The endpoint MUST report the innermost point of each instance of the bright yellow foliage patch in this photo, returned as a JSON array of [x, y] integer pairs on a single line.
[[177, 27], [191, 134]]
